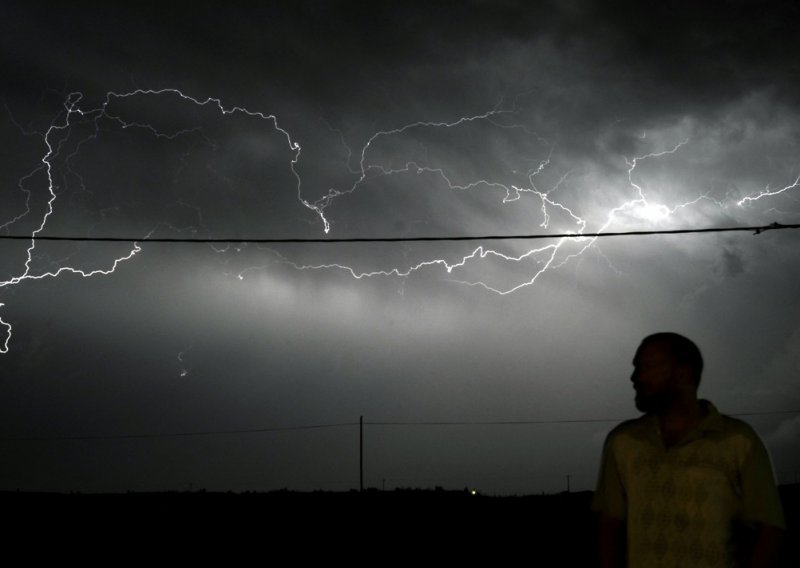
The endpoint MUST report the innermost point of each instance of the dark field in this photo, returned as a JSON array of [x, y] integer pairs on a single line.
[[373, 526]]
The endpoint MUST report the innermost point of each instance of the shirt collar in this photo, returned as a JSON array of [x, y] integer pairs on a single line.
[[711, 423], [713, 420]]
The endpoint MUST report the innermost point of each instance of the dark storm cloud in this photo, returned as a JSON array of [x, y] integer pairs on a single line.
[[732, 263], [670, 53]]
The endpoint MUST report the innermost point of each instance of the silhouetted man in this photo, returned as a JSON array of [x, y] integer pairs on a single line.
[[682, 484]]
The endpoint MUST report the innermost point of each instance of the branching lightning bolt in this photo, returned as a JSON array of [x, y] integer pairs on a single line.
[[546, 258], [547, 255], [73, 110], [766, 192]]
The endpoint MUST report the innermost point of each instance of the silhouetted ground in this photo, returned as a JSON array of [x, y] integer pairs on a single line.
[[370, 526]]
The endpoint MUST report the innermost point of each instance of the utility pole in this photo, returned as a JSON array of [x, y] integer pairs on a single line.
[[361, 453], [568, 476]]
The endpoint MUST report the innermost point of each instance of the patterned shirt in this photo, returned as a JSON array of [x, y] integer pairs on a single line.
[[681, 503]]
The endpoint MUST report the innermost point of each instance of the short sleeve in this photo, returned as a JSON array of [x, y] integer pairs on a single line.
[[760, 499], [609, 497]]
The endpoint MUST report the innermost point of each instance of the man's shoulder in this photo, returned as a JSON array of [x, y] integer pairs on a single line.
[[635, 427], [740, 434], [736, 426], [632, 424], [734, 435], [730, 426]]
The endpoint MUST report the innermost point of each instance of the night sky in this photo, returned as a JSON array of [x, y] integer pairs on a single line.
[[208, 120]]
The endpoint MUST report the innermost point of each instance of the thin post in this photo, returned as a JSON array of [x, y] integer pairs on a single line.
[[568, 476], [361, 453]]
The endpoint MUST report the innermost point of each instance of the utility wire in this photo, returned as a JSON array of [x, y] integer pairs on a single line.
[[176, 434], [563, 421], [756, 230], [346, 424]]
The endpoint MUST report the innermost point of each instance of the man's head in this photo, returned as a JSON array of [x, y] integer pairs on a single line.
[[667, 367]]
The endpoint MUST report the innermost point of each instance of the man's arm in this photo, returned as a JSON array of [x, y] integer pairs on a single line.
[[766, 546], [610, 504], [610, 541], [761, 506]]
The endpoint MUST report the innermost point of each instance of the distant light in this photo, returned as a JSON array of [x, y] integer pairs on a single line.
[[474, 492]]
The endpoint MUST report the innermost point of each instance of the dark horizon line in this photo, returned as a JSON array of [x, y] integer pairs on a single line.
[[301, 492]]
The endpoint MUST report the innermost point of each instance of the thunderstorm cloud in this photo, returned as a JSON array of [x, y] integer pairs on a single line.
[[334, 120]]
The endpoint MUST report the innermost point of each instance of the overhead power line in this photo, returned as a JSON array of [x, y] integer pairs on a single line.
[[174, 434], [345, 424], [524, 422], [756, 230]]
